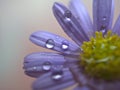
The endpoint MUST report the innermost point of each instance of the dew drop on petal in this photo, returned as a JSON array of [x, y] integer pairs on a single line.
[[50, 43], [67, 15], [57, 37], [104, 18], [31, 68], [46, 66], [34, 68], [67, 19], [57, 75], [103, 29], [65, 45]]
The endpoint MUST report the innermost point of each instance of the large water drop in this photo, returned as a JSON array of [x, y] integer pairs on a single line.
[[50, 43], [57, 75], [68, 15], [46, 66], [65, 45]]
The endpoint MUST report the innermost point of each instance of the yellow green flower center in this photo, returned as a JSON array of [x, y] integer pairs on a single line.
[[100, 57]]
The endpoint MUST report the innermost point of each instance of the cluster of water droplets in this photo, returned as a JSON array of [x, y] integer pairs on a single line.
[[47, 66], [56, 70], [103, 27], [51, 44]]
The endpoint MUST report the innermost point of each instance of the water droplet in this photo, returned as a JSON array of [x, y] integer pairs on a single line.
[[103, 29], [68, 19], [57, 75], [81, 49], [104, 18], [68, 15], [34, 68], [50, 43], [57, 37], [31, 68], [46, 66], [65, 45]]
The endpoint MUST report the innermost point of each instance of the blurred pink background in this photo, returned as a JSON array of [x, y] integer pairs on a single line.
[[18, 19]]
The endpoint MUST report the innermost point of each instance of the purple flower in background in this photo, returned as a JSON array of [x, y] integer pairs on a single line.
[[92, 62]]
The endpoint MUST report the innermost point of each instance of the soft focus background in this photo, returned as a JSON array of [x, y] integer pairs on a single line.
[[18, 19]]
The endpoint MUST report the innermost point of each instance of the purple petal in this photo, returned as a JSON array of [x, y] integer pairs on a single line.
[[112, 86], [103, 14], [78, 75], [69, 23], [80, 12], [71, 60], [116, 28], [82, 88], [54, 42], [54, 81], [104, 85], [36, 64]]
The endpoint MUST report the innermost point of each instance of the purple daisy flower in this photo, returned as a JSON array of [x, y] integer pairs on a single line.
[[93, 61]]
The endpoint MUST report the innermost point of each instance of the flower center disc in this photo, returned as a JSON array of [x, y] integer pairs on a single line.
[[100, 57]]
